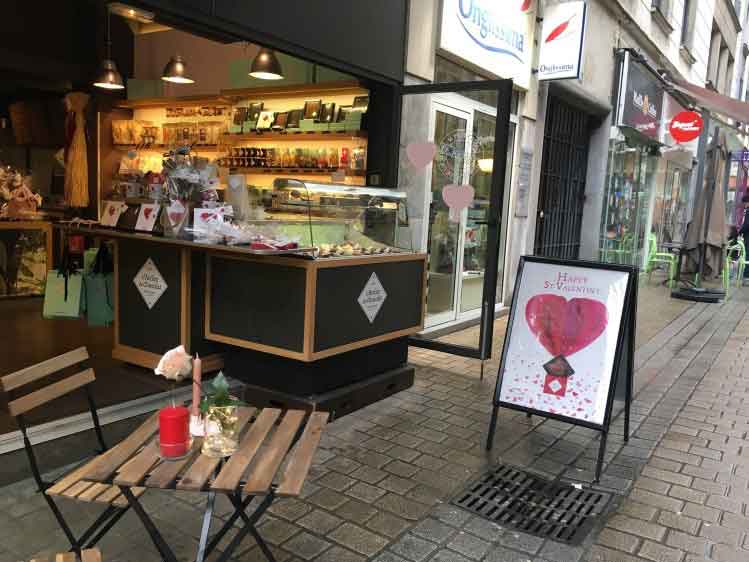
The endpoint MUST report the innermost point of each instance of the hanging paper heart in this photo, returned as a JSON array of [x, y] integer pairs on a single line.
[[562, 326], [421, 153], [457, 197]]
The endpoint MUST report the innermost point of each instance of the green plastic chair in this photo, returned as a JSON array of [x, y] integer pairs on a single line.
[[731, 263], [655, 258], [621, 251]]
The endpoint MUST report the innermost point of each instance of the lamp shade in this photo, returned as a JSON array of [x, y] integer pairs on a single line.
[[109, 77], [175, 71], [265, 66]]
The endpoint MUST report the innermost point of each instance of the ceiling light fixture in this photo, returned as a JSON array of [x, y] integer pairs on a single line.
[[265, 66], [109, 78], [175, 71]]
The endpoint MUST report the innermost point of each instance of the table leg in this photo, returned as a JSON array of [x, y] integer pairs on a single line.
[[207, 516], [158, 541], [249, 526], [228, 525]]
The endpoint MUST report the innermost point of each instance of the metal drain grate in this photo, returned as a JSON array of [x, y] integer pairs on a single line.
[[531, 504]]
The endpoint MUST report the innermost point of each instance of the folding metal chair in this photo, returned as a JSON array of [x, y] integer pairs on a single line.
[[20, 403]]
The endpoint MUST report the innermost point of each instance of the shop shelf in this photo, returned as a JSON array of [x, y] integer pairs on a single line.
[[301, 171], [296, 136]]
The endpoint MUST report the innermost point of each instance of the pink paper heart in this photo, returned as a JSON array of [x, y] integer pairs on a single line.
[[565, 326], [457, 197], [421, 153]]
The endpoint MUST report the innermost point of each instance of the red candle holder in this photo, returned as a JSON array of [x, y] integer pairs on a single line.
[[174, 431]]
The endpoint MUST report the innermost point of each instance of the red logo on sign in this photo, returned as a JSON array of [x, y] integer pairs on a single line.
[[685, 126]]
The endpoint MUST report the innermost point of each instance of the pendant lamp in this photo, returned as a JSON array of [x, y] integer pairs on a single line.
[[109, 77], [265, 66], [175, 71]]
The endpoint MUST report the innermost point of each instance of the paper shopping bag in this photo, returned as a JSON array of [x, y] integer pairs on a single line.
[[62, 295], [99, 289]]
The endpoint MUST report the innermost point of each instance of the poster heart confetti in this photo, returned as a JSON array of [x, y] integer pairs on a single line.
[[457, 197], [421, 153], [562, 326]]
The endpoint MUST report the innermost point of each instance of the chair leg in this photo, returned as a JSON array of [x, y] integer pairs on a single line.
[[74, 544]]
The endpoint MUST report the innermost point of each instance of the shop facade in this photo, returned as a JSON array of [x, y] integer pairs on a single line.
[[647, 190], [447, 46], [130, 130]]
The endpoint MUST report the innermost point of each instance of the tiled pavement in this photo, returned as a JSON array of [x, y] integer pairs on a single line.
[[382, 481]]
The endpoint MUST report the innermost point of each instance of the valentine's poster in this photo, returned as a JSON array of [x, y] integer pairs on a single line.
[[562, 342], [147, 217]]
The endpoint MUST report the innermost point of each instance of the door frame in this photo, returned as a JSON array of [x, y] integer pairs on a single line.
[[499, 174], [457, 104], [437, 104]]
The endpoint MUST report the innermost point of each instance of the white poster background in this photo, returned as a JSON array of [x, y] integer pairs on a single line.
[[495, 35], [563, 31], [147, 216], [588, 388]]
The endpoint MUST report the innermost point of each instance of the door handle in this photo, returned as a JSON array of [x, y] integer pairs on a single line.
[[541, 215]]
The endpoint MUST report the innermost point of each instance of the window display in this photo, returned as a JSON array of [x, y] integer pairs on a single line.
[[627, 216]]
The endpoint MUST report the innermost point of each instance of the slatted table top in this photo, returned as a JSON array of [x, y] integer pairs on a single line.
[[267, 458]]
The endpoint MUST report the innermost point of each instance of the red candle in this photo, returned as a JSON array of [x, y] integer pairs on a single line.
[[174, 431]]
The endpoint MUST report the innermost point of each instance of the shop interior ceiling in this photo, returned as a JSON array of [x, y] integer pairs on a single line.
[[57, 46]]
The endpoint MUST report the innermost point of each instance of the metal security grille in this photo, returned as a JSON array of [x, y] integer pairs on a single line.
[[562, 189], [533, 505]]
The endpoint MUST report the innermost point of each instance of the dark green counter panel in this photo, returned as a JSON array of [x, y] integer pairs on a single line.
[[258, 302], [158, 329], [340, 320]]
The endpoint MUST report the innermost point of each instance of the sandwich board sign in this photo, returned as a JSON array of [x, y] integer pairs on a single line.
[[570, 328]]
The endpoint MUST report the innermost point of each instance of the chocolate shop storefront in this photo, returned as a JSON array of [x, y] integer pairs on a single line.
[[646, 196]]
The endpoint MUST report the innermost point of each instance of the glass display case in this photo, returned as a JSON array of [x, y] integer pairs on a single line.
[[336, 220]]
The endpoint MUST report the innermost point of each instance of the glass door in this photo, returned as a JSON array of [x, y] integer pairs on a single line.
[[476, 230], [437, 150], [444, 235]]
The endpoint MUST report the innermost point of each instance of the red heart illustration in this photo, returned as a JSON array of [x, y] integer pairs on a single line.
[[206, 216], [175, 217], [147, 212], [111, 211], [565, 326]]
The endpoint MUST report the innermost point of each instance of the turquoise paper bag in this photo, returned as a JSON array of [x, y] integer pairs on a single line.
[[99, 290]]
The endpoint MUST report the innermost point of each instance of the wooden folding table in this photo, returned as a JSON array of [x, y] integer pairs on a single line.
[[275, 453]]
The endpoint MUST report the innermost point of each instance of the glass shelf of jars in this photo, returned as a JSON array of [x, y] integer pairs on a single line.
[[303, 160]]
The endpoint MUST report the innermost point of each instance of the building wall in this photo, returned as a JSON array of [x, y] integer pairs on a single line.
[[611, 25]]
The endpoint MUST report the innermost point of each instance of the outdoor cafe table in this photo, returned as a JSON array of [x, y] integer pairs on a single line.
[[270, 438]]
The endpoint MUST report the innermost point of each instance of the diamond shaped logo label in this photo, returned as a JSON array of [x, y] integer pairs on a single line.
[[372, 297], [150, 283]]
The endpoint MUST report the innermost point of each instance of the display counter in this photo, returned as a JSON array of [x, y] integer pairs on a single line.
[[295, 328]]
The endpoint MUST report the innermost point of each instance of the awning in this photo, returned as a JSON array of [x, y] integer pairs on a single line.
[[714, 101]]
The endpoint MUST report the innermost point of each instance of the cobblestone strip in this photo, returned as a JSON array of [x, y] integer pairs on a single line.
[[689, 503]]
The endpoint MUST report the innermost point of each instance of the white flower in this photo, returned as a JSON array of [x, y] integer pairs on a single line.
[[175, 364]]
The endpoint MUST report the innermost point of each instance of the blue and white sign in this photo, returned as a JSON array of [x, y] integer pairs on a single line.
[[561, 42], [494, 35]]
